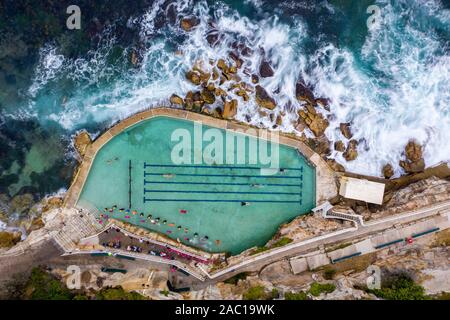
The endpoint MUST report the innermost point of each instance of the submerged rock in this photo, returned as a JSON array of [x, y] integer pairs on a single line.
[[263, 99]]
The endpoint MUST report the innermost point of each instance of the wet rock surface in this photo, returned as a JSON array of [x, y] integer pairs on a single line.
[[82, 141], [414, 158]]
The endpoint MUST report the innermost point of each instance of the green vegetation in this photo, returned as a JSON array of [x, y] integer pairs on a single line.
[[235, 279], [164, 292], [117, 293], [42, 285], [301, 295], [281, 242], [337, 247], [329, 273], [442, 296], [318, 288], [400, 287], [275, 294], [256, 293]]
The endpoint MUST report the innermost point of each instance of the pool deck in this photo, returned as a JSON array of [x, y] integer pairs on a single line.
[[326, 187]]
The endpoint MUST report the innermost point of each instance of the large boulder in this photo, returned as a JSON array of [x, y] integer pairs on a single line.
[[318, 125], [230, 109], [388, 171], [177, 100], [414, 158], [413, 167], [335, 165], [303, 93], [82, 141], [413, 151], [265, 69], [339, 146], [345, 130], [351, 153], [263, 99], [208, 96], [188, 23], [9, 239], [194, 77]]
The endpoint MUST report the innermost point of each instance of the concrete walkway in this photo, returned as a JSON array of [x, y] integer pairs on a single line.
[[257, 261]]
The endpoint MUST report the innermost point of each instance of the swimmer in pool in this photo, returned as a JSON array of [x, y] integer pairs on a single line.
[[243, 204], [168, 175]]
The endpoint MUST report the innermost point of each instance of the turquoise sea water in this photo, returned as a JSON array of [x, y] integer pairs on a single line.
[[391, 83], [210, 192]]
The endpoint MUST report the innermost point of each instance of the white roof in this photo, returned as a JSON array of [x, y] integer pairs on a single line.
[[361, 189]]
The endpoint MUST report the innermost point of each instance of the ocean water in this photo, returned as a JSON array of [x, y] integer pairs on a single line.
[[391, 82]]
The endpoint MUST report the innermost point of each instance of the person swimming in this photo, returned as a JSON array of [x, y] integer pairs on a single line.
[[243, 204], [164, 222], [168, 175], [142, 214], [149, 216], [179, 227]]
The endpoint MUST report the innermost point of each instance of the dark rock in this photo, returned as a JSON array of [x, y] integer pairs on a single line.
[[189, 23], [194, 77], [351, 153], [388, 171], [174, 99], [335, 165], [339, 146], [303, 93], [208, 96], [345, 129], [265, 70], [263, 99], [230, 109]]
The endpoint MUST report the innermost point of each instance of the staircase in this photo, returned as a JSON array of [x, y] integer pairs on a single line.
[[76, 228], [357, 219]]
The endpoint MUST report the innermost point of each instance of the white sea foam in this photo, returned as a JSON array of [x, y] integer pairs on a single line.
[[410, 100]]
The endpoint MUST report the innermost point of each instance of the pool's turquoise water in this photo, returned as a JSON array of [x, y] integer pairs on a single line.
[[211, 194]]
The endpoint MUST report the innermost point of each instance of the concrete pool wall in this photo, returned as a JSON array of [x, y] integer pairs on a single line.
[[325, 177], [88, 190]]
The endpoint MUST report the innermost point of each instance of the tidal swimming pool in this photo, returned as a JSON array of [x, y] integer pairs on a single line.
[[152, 170]]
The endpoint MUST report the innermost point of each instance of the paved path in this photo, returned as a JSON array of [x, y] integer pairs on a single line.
[[21, 265], [258, 261]]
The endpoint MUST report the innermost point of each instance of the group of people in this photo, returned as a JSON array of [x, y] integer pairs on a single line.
[[157, 221]]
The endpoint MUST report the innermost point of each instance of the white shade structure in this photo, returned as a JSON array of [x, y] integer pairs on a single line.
[[361, 189]]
